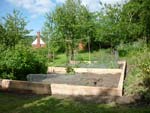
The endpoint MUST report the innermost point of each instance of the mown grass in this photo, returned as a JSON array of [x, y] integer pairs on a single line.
[[12, 103], [104, 58]]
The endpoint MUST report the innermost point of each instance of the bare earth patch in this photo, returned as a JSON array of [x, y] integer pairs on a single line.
[[84, 79]]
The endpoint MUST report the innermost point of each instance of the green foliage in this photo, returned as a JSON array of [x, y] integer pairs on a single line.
[[131, 48], [21, 61], [108, 25], [70, 70], [2, 35], [16, 58], [14, 29], [134, 19], [69, 24], [137, 57], [5, 75], [145, 64]]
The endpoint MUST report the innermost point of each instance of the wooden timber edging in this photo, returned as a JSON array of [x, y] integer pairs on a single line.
[[63, 89], [75, 90], [123, 72], [62, 70], [56, 89], [24, 86]]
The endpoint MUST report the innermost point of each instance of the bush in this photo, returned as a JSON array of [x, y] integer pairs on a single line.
[[4, 75], [144, 62], [134, 47], [70, 70], [145, 66], [20, 61]]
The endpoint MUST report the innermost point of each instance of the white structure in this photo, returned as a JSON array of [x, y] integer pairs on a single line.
[[38, 42]]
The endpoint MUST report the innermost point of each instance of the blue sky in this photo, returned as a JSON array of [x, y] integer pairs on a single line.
[[34, 10]]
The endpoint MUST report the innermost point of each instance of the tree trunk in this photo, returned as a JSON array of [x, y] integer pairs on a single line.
[[72, 50], [67, 53]]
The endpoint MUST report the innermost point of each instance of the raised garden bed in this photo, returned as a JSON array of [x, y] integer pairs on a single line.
[[84, 79], [108, 82]]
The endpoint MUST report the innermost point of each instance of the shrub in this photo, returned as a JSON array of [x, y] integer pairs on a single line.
[[20, 61], [4, 75], [134, 47], [145, 66], [70, 70], [144, 62]]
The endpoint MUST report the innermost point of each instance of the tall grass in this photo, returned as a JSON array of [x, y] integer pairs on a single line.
[[134, 53]]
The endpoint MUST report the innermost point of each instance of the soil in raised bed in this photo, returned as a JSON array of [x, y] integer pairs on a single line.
[[85, 79]]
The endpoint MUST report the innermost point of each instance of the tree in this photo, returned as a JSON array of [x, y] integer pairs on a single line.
[[70, 23], [2, 36], [135, 20], [16, 59], [145, 16], [15, 27], [108, 25]]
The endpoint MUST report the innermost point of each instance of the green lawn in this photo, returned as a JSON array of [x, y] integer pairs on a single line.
[[104, 58], [19, 103]]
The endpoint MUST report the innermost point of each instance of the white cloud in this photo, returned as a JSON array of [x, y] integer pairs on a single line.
[[112, 1], [60, 1], [35, 7], [94, 5], [39, 7]]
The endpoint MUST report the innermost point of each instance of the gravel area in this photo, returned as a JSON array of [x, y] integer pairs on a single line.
[[85, 79]]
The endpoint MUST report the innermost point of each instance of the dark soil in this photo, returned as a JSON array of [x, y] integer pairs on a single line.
[[85, 79]]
